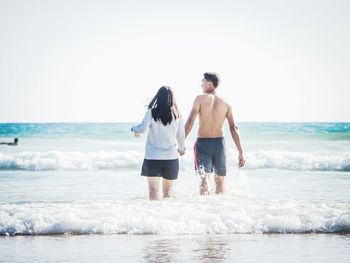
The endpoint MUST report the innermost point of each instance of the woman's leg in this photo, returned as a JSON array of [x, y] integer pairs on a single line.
[[167, 184], [170, 172], [153, 188]]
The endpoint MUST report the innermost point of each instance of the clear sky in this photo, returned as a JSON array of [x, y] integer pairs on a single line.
[[67, 61]]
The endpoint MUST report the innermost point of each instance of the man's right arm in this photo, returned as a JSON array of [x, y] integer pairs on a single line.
[[235, 136], [193, 115]]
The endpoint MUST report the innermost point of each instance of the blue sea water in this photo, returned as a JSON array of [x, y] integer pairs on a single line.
[[84, 178], [79, 146]]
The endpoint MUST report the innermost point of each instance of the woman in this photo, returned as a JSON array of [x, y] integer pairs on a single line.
[[166, 139]]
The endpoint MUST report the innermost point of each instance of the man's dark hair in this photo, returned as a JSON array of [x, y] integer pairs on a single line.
[[213, 78], [161, 105], [15, 141]]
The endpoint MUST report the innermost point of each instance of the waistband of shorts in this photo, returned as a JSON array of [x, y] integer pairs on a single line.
[[211, 139]]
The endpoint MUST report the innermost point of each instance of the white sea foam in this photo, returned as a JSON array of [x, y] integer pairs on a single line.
[[61, 160], [199, 215], [299, 161]]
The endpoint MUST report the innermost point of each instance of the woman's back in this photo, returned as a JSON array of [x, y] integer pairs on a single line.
[[166, 137]]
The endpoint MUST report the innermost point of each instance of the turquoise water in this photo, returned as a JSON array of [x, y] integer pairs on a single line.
[[121, 130], [79, 146]]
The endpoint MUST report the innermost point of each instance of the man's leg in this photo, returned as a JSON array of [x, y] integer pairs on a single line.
[[167, 184], [203, 164], [153, 188], [219, 162], [219, 182], [204, 187]]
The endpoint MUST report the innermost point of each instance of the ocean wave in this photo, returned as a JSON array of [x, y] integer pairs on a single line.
[[299, 161], [60, 160], [200, 215], [100, 160]]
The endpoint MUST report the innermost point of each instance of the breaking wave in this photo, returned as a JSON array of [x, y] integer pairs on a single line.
[[198, 215], [99, 160]]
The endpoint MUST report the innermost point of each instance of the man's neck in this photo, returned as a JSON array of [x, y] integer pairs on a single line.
[[211, 92]]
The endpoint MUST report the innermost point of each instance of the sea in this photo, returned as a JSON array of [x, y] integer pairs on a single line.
[[72, 192]]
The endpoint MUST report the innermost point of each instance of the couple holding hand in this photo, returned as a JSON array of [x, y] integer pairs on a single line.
[[167, 133]]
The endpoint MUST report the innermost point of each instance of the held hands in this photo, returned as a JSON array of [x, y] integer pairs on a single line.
[[241, 160], [181, 152]]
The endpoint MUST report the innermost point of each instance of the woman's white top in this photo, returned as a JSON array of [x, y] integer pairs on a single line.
[[163, 141]]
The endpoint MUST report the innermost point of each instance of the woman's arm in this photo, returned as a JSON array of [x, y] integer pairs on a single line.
[[146, 122]]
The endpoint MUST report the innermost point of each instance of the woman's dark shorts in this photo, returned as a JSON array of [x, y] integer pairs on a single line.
[[168, 169], [210, 156]]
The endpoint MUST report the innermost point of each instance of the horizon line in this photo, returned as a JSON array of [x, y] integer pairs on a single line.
[[126, 122]]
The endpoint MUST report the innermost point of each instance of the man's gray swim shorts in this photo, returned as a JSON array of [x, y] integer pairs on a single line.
[[210, 156]]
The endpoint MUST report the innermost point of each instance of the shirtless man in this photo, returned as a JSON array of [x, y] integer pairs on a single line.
[[209, 148]]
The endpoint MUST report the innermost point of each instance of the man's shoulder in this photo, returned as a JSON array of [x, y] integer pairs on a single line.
[[223, 100], [200, 98], [203, 97], [219, 100]]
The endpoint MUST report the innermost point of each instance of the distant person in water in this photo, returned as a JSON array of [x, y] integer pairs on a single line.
[[209, 149], [165, 141], [14, 143]]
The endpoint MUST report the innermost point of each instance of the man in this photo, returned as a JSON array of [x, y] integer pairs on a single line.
[[14, 143], [209, 148]]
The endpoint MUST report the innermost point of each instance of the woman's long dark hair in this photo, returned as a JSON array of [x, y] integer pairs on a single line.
[[162, 104]]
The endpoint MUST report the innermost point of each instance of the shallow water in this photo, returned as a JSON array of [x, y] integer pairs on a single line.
[[188, 248], [83, 179]]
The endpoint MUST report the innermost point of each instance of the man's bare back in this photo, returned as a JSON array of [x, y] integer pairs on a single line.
[[212, 114]]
